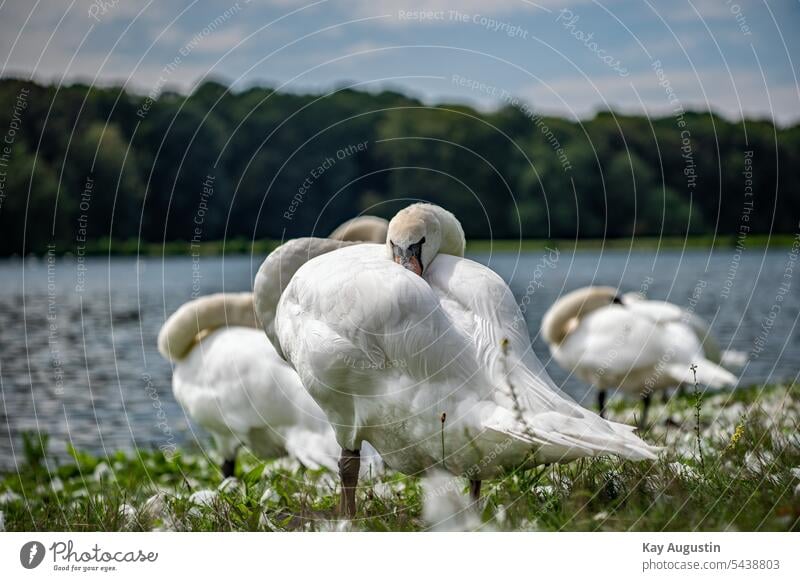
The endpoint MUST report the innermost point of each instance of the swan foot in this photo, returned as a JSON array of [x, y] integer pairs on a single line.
[[349, 464], [475, 490], [601, 402], [228, 467]]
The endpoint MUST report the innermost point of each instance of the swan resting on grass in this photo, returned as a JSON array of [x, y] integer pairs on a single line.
[[637, 345], [230, 380], [412, 348]]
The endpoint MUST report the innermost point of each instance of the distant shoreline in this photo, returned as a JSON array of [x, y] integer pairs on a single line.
[[240, 246]]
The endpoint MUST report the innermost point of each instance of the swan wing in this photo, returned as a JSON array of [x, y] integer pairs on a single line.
[[483, 307]]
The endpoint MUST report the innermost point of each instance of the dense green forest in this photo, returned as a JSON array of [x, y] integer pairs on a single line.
[[81, 164]]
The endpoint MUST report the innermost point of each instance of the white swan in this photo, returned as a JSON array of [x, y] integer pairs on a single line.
[[231, 381], [636, 345], [425, 362]]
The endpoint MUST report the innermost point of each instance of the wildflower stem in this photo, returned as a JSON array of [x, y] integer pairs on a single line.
[[698, 400], [444, 419]]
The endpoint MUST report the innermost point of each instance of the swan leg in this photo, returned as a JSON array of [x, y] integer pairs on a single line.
[[601, 402], [645, 408], [228, 467], [475, 490], [349, 464]]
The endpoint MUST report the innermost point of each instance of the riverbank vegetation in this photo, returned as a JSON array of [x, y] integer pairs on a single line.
[[81, 165], [739, 471]]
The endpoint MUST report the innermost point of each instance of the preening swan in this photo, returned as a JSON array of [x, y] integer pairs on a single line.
[[633, 344], [362, 229], [230, 380], [412, 348]]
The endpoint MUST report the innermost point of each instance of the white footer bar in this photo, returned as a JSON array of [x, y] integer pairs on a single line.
[[407, 556]]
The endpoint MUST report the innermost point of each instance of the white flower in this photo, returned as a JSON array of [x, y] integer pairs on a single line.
[[383, 491], [204, 497], [231, 485], [444, 506], [9, 496], [270, 496], [128, 514], [286, 463], [103, 471], [56, 485], [501, 516], [795, 472], [683, 470], [155, 506], [602, 515]]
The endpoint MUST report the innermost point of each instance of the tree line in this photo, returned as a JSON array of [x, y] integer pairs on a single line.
[[81, 164]]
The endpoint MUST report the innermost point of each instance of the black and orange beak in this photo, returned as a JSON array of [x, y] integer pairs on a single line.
[[410, 258]]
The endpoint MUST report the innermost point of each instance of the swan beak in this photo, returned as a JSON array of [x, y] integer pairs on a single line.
[[408, 258], [410, 262]]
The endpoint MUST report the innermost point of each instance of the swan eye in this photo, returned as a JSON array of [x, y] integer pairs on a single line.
[[421, 241]]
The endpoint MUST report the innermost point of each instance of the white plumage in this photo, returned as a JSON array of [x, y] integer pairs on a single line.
[[388, 354], [230, 380], [633, 344], [234, 384]]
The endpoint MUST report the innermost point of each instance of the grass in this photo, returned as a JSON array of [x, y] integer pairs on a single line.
[[747, 480]]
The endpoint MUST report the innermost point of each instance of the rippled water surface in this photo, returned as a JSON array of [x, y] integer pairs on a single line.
[[78, 357]]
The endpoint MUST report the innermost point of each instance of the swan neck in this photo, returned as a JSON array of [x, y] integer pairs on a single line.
[[277, 271], [453, 239]]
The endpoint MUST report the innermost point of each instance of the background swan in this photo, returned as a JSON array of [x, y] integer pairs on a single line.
[[230, 380], [422, 360], [633, 344]]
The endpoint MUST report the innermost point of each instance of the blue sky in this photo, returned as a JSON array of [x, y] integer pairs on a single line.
[[568, 58]]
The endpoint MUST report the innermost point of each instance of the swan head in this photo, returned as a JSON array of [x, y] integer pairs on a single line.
[[565, 315], [418, 233]]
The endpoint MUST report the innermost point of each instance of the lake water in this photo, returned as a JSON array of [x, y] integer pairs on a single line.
[[78, 356]]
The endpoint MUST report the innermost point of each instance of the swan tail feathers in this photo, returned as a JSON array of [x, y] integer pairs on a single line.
[[181, 330], [558, 438], [733, 360], [708, 373]]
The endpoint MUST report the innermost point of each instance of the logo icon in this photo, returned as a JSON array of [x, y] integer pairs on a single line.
[[31, 554]]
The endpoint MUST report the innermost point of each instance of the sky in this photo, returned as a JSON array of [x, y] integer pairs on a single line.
[[737, 58]]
